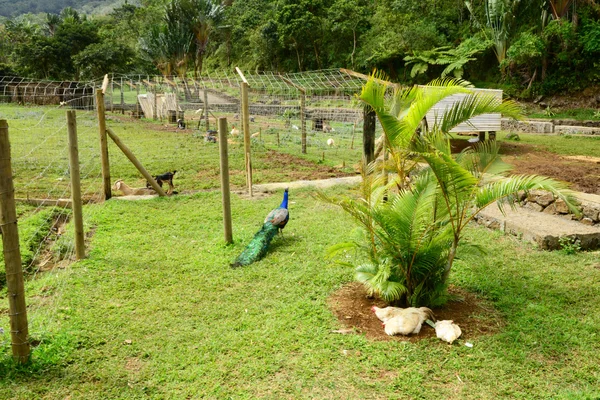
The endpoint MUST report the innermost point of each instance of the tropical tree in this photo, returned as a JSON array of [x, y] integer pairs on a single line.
[[180, 41], [410, 230], [500, 18]]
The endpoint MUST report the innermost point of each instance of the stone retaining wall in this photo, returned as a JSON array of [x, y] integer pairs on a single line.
[[558, 127], [542, 201]]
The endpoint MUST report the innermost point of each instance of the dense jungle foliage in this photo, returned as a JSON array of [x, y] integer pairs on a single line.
[[528, 47]]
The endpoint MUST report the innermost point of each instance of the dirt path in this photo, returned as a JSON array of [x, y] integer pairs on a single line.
[[583, 173]]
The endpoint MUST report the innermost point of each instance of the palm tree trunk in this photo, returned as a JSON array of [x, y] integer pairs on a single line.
[[451, 256]]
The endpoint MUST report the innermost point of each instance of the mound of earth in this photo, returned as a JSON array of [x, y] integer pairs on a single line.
[[475, 316]]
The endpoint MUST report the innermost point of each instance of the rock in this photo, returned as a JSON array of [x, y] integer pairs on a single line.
[[561, 207], [591, 213], [551, 209], [587, 221], [533, 206], [541, 197]]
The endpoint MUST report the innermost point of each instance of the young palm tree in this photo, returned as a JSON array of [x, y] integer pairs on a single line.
[[412, 230]]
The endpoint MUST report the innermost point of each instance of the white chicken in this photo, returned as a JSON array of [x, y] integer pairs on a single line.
[[234, 131], [330, 142], [386, 313], [403, 321], [447, 330]]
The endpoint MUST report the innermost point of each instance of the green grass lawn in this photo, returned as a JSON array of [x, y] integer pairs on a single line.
[[156, 312], [566, 145], [580, 114]]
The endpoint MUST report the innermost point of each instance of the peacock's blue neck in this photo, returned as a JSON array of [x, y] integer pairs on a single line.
[[284, 203]]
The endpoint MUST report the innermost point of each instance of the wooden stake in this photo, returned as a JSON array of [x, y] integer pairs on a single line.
[[225, 190], [369, 135], [303, 122], [75, 184], [246, 130], [206, 109], [352, 141], [112, 92], [105, 83], [137, 101], [135, 162], [249, 169], [277, 138], [19, 330], [122, 98], [103, 144], [154, 110]]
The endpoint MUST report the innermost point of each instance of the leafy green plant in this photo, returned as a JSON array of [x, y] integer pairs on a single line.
[[453, 58], [411, 230], [569, 245], [499, 15], [548, 112]]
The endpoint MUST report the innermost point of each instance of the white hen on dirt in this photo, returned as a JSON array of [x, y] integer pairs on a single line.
[[447, 330], [402, 321]]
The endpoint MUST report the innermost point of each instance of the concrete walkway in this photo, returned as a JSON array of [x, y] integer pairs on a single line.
[[319, 184]]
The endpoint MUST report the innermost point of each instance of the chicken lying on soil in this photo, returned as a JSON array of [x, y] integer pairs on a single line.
[[403, 321]]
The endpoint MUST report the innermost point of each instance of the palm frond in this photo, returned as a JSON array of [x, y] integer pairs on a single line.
[[483, 158], [475, 104], [506, 189], [378, 279]]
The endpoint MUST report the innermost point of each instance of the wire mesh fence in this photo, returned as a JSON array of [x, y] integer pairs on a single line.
[[320, 104]]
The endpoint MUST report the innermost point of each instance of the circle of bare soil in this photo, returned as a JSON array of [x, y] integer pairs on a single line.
[[582, 174], [352, 306]]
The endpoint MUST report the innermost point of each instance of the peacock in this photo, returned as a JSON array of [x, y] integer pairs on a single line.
[[258, 246]]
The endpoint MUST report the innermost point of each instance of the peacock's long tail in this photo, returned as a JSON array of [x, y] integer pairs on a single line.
[[258, 246]]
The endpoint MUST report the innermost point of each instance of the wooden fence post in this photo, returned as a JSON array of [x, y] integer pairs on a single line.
[[122, 98], [369, 135], [246, 129], [137, 97], [206, 109], [225, 190], [75, 184], [103, 144], [19, 330], [112, 92], [154, 110], [135, 162], [303, 120]]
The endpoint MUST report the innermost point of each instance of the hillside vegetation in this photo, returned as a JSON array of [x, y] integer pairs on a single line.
[[527, 47], [13, 8]]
